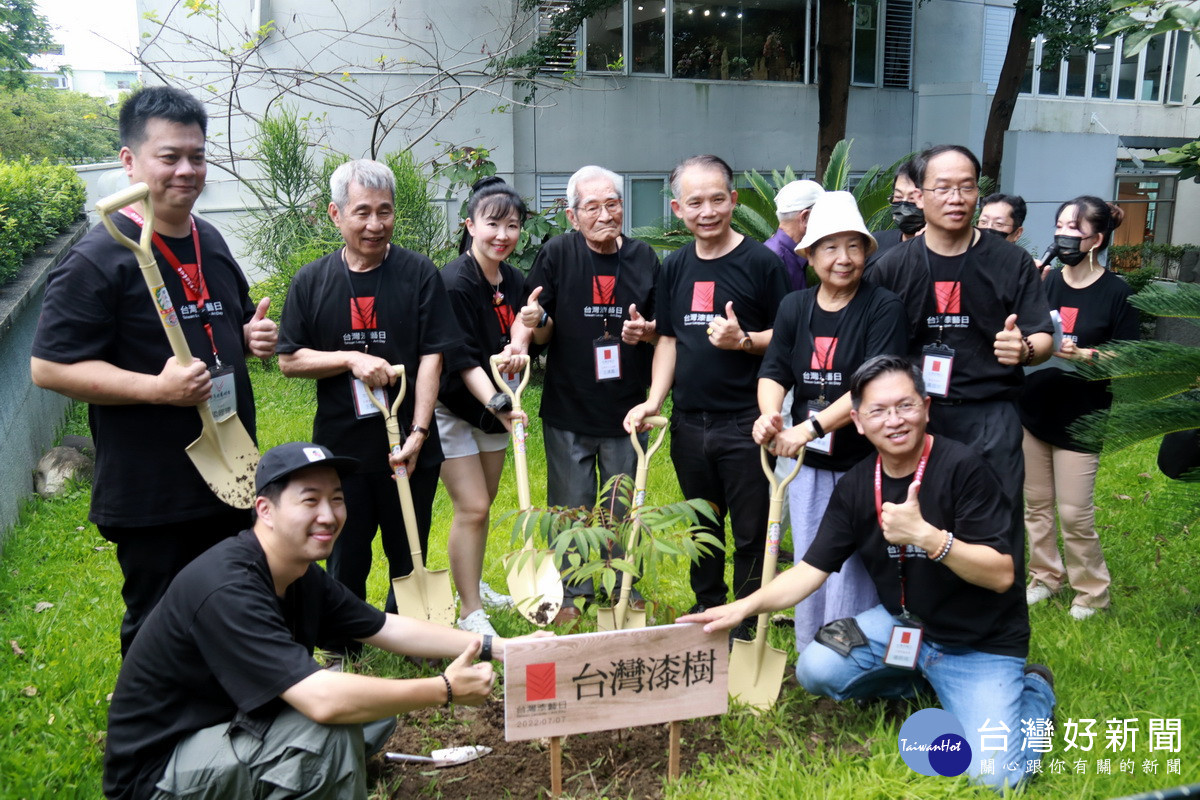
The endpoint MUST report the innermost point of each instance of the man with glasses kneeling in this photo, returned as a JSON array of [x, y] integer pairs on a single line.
[[931, 525]]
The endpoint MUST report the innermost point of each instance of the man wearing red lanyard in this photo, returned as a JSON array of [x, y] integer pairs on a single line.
[[99, 340], [932, 527]]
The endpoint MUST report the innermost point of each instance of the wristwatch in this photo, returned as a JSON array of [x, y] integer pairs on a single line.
[[746, 343]]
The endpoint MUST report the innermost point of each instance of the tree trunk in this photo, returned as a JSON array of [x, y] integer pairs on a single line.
[[833, 77], [1004, 102]]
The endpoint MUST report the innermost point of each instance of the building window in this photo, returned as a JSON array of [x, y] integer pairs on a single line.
[[605, 40], [1148, 201], [1108, 73]]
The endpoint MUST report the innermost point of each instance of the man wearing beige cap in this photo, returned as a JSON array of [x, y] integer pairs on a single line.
[[793, 204]]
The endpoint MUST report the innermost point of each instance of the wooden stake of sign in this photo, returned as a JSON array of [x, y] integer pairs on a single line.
[[673, 751], [555, 766]]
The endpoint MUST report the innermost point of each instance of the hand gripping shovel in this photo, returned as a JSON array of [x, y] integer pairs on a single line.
[[422, 593], [621, 617], [533, 578], [755, 670], [224, 455]]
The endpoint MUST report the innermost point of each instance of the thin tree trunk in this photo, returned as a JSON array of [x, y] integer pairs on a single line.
[[1004, 102], [833, 79]]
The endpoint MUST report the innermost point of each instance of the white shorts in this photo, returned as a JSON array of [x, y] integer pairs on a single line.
[[460, 438]]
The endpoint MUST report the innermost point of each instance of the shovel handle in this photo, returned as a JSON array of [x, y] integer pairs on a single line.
[[520, 463], [777, 485], [390, 419], [407, 508]]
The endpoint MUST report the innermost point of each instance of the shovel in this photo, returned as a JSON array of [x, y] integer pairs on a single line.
[[422, 593], [533, 578], [621, 617], [450, 757], [756, 670], [224, 455]]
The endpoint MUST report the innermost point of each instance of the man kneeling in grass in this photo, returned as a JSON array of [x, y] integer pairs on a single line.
[[933, 528], [219, 695]]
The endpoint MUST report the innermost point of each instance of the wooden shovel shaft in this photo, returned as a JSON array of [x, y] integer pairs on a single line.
[[641, 477], [774, 531], [403, 488], [520, 463]]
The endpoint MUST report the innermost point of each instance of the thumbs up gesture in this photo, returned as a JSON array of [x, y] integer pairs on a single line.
[[261, 333], [637, 328], [531, 312], [1010, 348], [726, 332], [903, 523]]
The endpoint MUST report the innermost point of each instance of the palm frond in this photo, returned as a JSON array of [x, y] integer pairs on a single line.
[[1127, 424], [1144, 372], [1177, 300], [837, 174]]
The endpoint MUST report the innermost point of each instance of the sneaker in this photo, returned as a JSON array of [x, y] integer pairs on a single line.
[[477, 622], [493, 599], [1082, 612], [1036, 593]]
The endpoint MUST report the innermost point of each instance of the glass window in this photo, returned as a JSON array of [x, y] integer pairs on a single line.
[[1027, 80], [1152, 70], [1102, 69], [1178, 69], [866, 35], [1077, 70], [1127, 78], [646, 204], [1147, 201], [1050, 76], [605, 45], [737, 42], [650, 38]]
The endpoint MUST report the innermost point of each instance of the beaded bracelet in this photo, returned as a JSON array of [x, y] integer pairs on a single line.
[[945, 549], [1028, 346], [449, 691]]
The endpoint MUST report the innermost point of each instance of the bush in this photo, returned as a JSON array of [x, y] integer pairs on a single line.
[[1161, 259], [37, 202]]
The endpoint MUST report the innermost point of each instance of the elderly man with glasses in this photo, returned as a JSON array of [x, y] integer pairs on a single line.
[[593, 304]]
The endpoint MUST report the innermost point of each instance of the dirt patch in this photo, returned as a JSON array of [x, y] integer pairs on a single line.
[[630, 762]]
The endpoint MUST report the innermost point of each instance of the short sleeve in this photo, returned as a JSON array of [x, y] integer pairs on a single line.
[[777, 361]]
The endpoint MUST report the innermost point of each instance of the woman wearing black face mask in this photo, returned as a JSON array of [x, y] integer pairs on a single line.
[[1093, 304]]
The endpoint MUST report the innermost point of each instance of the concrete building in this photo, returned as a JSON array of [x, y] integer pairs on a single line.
[[94, 46], [657, 81]]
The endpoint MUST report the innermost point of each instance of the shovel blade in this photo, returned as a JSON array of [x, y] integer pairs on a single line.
[[453, 756], [535, 585], [226, 457], [425, 594], [607, 619], [755, 676]]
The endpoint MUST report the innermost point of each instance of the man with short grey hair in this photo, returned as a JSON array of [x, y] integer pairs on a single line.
[[350, 316], [593, 303], [793, 204]]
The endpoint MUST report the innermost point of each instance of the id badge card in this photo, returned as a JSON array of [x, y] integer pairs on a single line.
[[223, 403], [363, 407], [607, 356], [903, 647], [937, 363], [825, 443]]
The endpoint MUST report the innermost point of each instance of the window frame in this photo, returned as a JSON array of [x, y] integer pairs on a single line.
[[1170, 43]]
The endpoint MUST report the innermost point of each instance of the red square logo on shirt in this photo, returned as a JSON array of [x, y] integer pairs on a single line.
[[1069, 316], [702, 296], [949, 296], [362, 313], [822, 357], [604, 290], [540, 682]]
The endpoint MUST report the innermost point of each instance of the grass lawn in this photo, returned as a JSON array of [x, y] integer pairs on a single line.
[[1136, 664]]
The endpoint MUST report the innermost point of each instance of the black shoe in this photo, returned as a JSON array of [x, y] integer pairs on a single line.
[[1042, 671], [697, 608], [743, 630]]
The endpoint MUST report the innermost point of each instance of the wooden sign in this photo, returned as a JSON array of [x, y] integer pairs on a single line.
[[618, 679]]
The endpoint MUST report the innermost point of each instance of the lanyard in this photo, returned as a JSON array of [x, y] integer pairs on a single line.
[[826, 363], [933, 284], [374, 315], [195, 288], [598, 290], [879, 506]]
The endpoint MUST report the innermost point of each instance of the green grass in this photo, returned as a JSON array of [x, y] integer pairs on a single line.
[[1139, 661]]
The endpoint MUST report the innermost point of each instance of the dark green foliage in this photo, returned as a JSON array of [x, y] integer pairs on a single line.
[[23, 32], [69, 127], [37, 202]]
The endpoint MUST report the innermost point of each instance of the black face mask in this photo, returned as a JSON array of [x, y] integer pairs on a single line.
[[993, 231], [909, 219], [1068, 249]]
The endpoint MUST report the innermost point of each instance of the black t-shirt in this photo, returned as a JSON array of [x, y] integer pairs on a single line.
[[397, 311], [484, 327], [871, 324], [964, 301], [886, 240], [691, 291], [1054, 398], [97, 307], [580, 290], [959, 493], [220, 644]]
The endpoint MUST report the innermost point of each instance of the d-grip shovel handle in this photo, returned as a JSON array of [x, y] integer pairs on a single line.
[[390, 418], [644, 456], [520, 464]]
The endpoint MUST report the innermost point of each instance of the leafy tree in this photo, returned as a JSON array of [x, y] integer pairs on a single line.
[[66, 127], [23, 32]]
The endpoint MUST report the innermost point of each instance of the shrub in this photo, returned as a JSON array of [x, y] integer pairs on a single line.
[[37, 202]]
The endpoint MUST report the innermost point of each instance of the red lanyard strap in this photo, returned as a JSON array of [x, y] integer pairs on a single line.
[[879, 505]]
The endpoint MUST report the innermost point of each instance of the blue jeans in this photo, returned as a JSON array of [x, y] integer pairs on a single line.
[[985, 692]]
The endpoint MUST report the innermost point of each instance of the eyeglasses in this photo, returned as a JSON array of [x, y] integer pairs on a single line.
[[593, 209], [907, 410], [995, 225], [943, 192]]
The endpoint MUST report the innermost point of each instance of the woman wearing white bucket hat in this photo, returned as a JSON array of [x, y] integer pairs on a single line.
[[822, 335]]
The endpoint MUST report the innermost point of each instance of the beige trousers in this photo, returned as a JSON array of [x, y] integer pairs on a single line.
[[1069, 477]]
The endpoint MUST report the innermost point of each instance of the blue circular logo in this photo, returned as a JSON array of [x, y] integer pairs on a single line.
[[933, 742]]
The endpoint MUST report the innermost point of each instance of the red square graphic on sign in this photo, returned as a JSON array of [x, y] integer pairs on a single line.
[[822, 357], [702, 296], [905, 637], [1069, 316], [540, 681], [362, 313], [604, 290], [949, 296]]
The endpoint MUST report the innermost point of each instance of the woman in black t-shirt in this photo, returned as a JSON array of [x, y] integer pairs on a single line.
[[822, 335], [486, 295], [1093, 307]]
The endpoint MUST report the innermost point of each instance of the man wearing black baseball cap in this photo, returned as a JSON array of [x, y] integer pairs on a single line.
[[219, 696]]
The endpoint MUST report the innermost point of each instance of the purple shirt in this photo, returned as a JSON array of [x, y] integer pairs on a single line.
[[782, 245]]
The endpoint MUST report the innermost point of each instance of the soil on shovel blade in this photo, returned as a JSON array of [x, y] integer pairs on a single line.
[[626, 763]]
